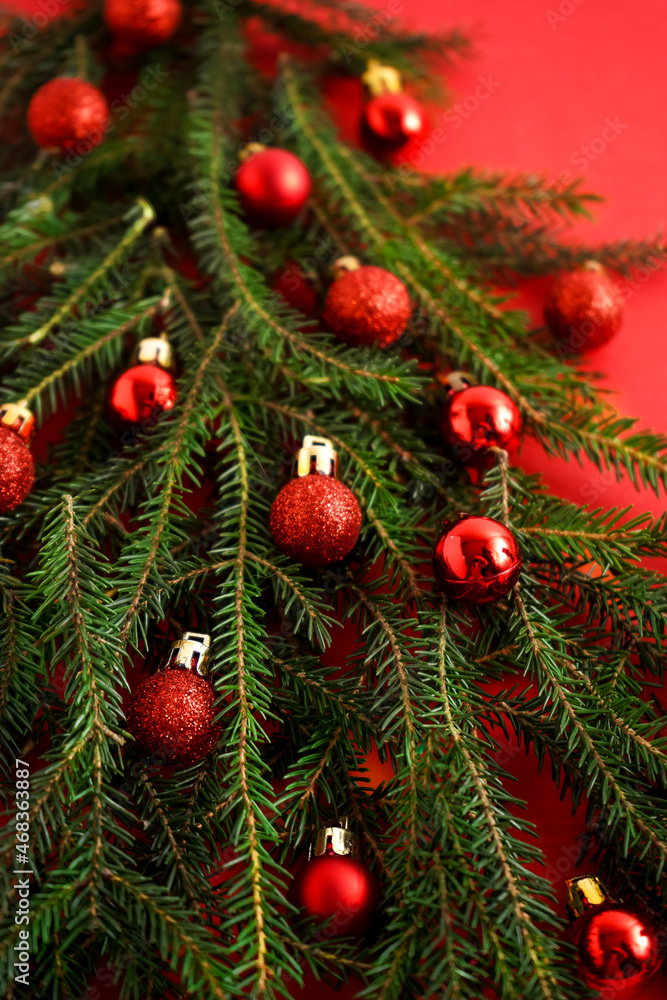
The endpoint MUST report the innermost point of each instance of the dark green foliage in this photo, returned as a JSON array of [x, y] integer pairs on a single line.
[[140, 873]]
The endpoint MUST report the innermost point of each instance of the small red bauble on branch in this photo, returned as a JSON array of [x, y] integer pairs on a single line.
[[142, 24], [477, 418], [68, 114], [390, 117], [617, 947], [315, 519], [171, 713], [17, 470], [334, 888], [476, 560], [142, 392], [584, 308], [366, 305], [273, 185]]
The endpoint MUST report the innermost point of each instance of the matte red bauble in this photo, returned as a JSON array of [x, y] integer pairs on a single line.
[[141, 24], [478, 418], [171, 713], [68, 114], [335, 889], [617, 946], [476, 560], [273, 185], [584, 308], [368, 305], [17, 470], [315, 519], [148, 388], [394, 119]]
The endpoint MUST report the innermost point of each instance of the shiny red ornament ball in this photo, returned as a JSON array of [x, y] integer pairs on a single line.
[[142, 393], [584, 308], [17, 470], [315, 520], [142, 24], [171, 718], [476, 560], [339, 892], [68, 114], [478, 418], [273, 186], [394, 119], [367, 305], [616, 946]]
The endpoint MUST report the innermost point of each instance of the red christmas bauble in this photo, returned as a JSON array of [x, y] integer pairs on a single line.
[[394, 119], [617, 947], [142, 393], [171, 718], [68, 114], [366, 305], [315, 520], [295, 288], [584, 308], [141, 24], [476, 560], [478, 418], [273, 186], [17, 470], [338, 891]]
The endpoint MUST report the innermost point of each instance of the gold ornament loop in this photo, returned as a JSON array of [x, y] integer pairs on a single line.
[[316, 455], [18, 418], [381, 79], [584, 892], [154, 351], [189, 653]]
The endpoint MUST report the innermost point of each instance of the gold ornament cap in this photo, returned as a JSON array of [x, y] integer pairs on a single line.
[[154, 351], [335, 839], [316, 455], [251, 150], [18, 418], [189, 653], [583, 893], [455, 381], [381, 79], [344, 264]]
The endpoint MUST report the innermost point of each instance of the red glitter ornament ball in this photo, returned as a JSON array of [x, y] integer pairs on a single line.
[[392, 119], [142, 393], [366, 305], [618, 948], [584, 308], [477, 418], [17, 470], [141, 24], [68, 114], [171, 718], [273, 186], [315, 520], [338, 891], [476, 560]]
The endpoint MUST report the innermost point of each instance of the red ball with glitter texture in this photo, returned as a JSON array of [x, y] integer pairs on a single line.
[[171, 718], [617, 947], [339, 892], [17, 470], [392, 119], [584, 308], [142, 24], [273, 186], [68, 114], [476, 560], [315, 520], [478, 418], [367, 305], [142, 393]]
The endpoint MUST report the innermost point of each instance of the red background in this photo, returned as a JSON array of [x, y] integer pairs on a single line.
[[559, 70]]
